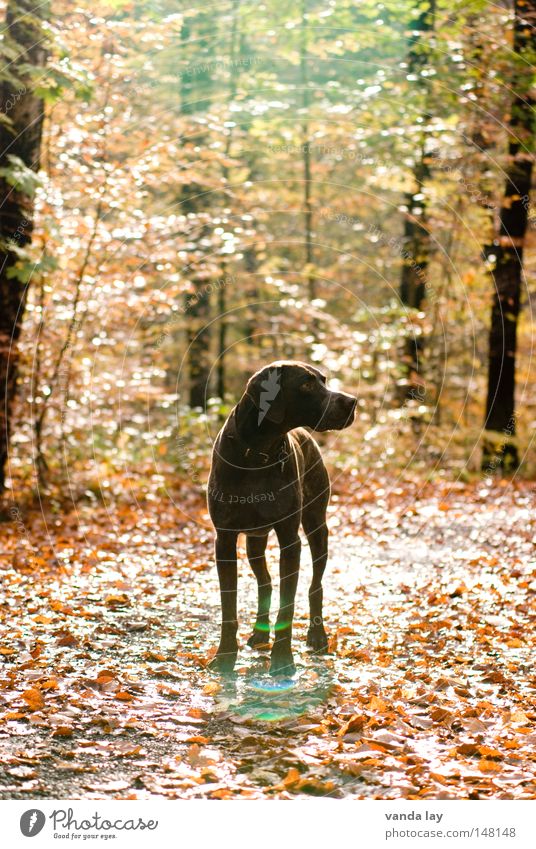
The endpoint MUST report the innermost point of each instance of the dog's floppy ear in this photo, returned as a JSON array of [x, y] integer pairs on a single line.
[[265, 390]]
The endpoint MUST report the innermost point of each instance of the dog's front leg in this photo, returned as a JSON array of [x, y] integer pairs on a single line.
[[225, 657], [289, 567]]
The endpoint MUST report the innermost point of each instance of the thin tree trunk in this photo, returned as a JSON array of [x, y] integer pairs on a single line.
[[306, 152], [57, 373], [222, 337], [20, 136], [198, 335], [195, 98], [416, 236], [222, 299], [251, 262], [507, 255]]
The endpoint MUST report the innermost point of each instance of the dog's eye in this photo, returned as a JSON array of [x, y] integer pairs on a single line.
[[308, 386]]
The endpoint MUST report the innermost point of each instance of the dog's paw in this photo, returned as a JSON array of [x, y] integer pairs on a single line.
[[259, 640], [317, 640], [223, 662], [282, 666]]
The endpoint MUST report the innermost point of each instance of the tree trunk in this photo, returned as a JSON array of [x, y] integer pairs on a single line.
[[416, 238], [222, 299], [20, 136], [506, 253], [195, 91], [198, 335], [222, 343], [306, 152]]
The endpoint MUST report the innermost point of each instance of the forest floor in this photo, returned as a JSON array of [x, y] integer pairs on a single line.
[[109, 616]]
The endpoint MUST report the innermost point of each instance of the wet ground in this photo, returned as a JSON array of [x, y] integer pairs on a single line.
[[429, 690]]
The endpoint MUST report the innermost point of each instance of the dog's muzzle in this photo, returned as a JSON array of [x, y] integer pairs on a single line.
[[339, 412]]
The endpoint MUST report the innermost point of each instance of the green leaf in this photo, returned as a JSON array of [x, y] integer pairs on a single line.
[[18, 175]]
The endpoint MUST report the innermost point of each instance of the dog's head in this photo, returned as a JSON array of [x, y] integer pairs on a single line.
[[294, 394]]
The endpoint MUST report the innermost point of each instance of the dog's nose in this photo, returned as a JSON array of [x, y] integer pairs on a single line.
[[350, 402], [353, 405]]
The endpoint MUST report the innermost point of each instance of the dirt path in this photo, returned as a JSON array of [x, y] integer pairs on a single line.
[[429, 690]]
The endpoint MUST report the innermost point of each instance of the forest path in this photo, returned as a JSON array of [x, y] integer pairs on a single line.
[[428, 692]]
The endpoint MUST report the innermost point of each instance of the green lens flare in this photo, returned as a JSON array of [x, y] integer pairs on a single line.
[[273, 700]]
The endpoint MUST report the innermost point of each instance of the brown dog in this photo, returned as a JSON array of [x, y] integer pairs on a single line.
[[267, 473]]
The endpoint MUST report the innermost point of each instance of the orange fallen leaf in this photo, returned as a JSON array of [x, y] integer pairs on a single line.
[[34, 699], [124, 696], [519, 716], [291, 777], [377, 704], [488, 752], [6, 651], [118, 600], [355, 723], [62, 731], [153, 656], [440, 714], [489, 766], [441, 779], [467, 749], [68, 639]]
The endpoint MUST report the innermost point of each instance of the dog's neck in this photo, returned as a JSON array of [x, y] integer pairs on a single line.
[[264, 437]]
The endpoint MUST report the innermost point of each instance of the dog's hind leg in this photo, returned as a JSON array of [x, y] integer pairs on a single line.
[[316, 530], [256, 547], [226, 558]]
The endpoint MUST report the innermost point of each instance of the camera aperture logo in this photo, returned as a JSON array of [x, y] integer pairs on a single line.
[[31, 822]]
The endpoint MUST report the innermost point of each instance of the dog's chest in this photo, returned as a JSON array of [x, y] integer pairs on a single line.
[[252, 498]]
